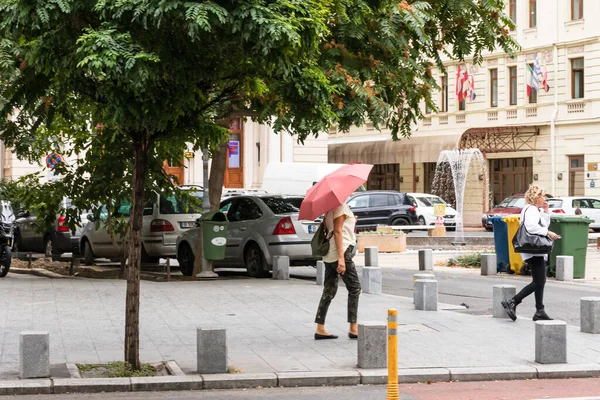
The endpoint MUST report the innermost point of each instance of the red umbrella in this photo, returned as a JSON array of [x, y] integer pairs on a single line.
[[333, 190]]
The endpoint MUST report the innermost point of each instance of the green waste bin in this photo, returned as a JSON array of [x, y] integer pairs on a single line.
[[574, 242], [214, 234]]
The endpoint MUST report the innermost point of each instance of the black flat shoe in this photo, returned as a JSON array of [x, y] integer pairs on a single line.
[[352, 335], [511, 308], [318, 336], [541, 315]]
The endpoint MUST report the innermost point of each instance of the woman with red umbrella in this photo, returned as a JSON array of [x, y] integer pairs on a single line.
[[328, 196]]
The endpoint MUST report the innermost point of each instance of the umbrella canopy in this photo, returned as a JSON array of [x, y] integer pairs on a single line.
[[333, 190]]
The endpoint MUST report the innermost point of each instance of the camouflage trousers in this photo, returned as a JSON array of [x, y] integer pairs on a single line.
[[330, 286]]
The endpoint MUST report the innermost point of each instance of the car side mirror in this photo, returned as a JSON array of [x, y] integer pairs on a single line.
[[91, 218], [198, 222]]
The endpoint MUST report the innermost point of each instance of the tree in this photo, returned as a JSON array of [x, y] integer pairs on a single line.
[[153, 75]]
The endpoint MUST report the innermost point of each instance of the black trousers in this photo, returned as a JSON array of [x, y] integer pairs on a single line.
[[538, 274], [330, 286]]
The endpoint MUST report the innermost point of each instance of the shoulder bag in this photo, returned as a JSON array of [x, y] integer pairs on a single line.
[[525, 242], [320, 241]]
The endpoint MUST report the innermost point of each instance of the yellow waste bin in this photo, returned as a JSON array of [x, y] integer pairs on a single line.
[[515, 259]]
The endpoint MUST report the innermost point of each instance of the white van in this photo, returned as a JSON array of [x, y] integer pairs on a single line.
[[294, 178]]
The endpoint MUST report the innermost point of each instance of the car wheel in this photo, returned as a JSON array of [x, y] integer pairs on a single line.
[[401, 222], [185, 258], [88, 254], [147, 259], [422, 220], [5, 260], [255, 262], [489, 229]]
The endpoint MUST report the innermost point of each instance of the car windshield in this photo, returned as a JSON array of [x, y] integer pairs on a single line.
[[174, 204], [429, 201], [554, 203], [516, 202], [283, 205]]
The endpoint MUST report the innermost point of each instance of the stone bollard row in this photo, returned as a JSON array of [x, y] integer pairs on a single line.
[[372, 345], [371, 280], [34, 352], [564, 268], [550, 342], [320, 273], [590, 314], [425, 260], [371, 256], [501, 292], [426, 294], [488, 264], [211, 350], [281, 267]]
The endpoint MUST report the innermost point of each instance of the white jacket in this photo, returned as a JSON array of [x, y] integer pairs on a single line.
[[536, 222]]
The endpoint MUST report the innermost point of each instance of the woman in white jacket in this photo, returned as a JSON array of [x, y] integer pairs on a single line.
[[536, 218]]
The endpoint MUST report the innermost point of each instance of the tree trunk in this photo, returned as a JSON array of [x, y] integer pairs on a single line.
[[217, 174], [199, 255], [141, 149]]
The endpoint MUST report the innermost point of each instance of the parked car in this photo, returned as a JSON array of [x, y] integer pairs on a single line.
[[165, 218], [589, 206], [52, 240], [424, 204], [509, 206], [380, 207], [259, 227]]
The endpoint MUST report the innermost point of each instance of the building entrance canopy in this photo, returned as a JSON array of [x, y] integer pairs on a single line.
[[424, 148]]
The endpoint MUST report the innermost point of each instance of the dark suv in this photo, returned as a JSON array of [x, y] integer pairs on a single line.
[[381, 207]]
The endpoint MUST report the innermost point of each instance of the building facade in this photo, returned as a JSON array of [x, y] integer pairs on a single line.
[[251, 147], [549, 137]]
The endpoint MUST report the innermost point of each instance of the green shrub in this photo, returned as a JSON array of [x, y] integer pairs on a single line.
[[471, 260]]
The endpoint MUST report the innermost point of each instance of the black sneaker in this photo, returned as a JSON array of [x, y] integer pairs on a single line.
[[511, 308], [540, 315]]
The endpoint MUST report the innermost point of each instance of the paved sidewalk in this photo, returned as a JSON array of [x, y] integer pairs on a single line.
[[269, 326]]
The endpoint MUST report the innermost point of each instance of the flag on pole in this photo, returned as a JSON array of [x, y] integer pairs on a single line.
[[459, 89], [531, 80], [472, 94], [541, 74]]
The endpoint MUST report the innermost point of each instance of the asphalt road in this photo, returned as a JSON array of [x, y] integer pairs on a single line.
[[561, 299]]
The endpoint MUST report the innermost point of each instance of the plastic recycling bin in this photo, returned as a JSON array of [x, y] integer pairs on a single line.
[[515, 259], [214, 234], [574, 242], [501, 244]]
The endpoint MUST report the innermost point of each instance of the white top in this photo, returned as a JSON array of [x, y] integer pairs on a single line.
[[347, 231], [536, 222]]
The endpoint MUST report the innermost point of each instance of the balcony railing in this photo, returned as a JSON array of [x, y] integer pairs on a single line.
[[511, 114], [461, 118], [531, 112], [576, 107], [443, 120], [426, 121], [492, 115]]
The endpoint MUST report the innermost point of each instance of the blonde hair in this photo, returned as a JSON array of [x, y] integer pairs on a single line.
[[532, 193]]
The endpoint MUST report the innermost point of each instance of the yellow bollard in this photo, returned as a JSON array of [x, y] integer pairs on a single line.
[[393, 392]]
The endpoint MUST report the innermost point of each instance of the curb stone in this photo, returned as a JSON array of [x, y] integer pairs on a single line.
[[73, 371], [174, 368], [239, 381], [292, 379]]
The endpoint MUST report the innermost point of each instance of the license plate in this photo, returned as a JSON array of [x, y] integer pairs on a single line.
[[312, 228], [186, 224]]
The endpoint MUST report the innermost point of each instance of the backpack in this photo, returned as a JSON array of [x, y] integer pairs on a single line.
[[320, 241]]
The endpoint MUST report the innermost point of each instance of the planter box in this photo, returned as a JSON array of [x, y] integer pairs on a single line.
[[384, 243]]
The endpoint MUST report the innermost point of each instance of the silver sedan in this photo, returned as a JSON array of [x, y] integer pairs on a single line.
[[259, 227]]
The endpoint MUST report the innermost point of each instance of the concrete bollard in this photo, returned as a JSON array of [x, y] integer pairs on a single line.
[[371, 256], [501, 292], [372, 345], [212, 350], [590, 314], [423, 275], [425, 260], [320, 273], [550, 342], [426, 294], [564, 268], [371, 280], [281, 267], [34, 351], [488, 264]]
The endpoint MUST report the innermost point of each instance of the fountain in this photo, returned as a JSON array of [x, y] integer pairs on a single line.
[[459, 162]]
